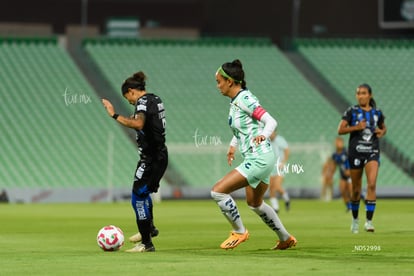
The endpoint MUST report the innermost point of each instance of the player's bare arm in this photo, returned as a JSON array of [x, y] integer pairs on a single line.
[[344, 128], [381, 130], [135, 122]]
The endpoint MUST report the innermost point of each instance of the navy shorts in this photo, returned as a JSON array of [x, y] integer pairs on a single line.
[[359, 160], [149, 172]]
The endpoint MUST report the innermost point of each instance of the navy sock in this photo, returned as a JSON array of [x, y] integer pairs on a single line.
[[143, 211], [144, 227], [355, 209], [370, 208]]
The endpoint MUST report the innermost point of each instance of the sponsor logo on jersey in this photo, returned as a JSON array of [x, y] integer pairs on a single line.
[[362, 148], [141, 107]]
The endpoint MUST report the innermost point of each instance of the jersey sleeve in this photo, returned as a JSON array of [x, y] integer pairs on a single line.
[[347, 116], [141, 105], [251, 105], [381, 117]]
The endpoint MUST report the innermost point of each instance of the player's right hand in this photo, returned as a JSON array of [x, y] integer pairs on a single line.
[[362, 124], [108, 106]]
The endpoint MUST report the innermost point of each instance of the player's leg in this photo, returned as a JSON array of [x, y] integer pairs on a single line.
[[371, 171], [158, 169], [220, 192], [153, 175], [344, 188], [146, 181], [141, 204], [254, 198], [326, 192], [273, 193], [356, 177], [282, 191]]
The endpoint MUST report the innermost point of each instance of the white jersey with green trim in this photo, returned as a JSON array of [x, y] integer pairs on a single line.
[[244, 126]]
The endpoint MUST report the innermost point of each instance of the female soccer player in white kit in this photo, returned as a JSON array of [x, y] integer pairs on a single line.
[[251, 126]]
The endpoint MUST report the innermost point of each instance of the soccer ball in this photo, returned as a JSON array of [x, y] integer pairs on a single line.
[[110, 238]]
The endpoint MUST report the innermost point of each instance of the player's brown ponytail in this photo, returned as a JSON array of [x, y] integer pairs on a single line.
[[137, 81]]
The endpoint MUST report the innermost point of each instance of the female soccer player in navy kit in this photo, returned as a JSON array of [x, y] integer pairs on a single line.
[[149, 123], [252, 127], [365, 124], [340, 159]]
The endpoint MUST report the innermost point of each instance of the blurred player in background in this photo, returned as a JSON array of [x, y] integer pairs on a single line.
[[365, 124], [328, 171], [149, 123], [281, 150], [339, 158], [252, 127]]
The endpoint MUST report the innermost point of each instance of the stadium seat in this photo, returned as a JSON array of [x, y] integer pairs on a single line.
[[55, 131]]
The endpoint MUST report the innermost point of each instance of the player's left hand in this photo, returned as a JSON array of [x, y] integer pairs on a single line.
[[259, 139], [379, 132], [108, 106]]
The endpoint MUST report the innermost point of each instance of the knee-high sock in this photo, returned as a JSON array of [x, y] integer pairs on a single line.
[[229, 209], [142, 207], [370, 208], [272, 220], [286, 197], [355, 209]]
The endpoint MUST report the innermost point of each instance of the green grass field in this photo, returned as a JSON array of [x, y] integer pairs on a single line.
[[60, 239]]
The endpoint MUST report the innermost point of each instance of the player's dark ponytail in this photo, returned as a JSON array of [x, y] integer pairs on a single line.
[[235, 70], [137, 81], [372, 102]]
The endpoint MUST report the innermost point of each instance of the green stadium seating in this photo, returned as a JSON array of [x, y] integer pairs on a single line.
[[50, 140]]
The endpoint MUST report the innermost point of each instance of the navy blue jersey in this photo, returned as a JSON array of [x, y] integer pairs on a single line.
[[341, 160], [151, 139], [364, 141]]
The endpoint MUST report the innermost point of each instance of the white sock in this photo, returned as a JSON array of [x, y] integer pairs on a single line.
[[274, 203], [229, 209], [286, 196], [271, 219]]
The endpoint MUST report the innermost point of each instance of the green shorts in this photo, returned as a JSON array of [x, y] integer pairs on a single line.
[[258, 168]]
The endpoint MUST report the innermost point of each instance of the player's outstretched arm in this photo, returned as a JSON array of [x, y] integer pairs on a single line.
[[136, 122]]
